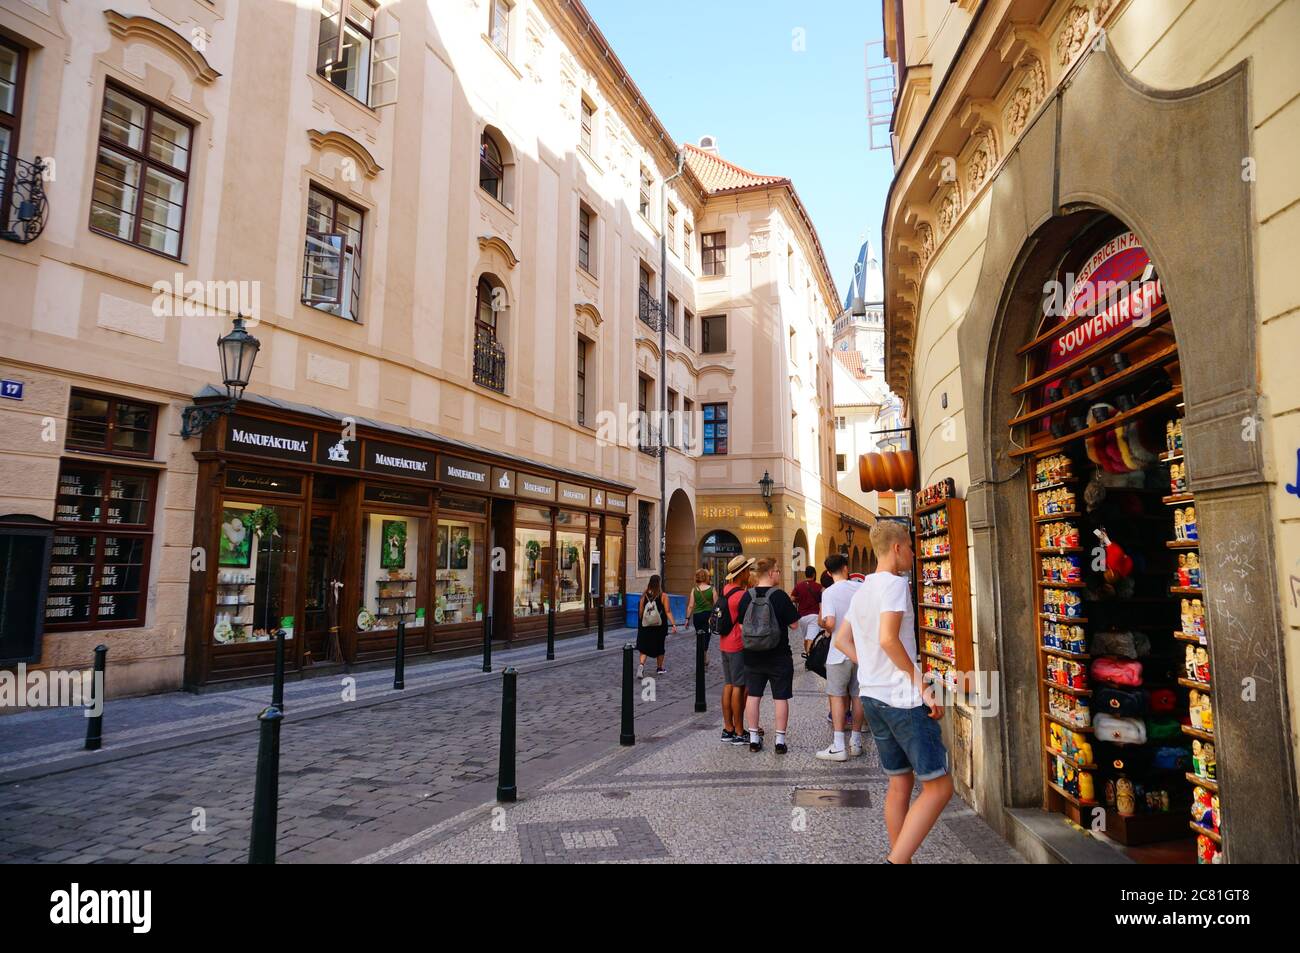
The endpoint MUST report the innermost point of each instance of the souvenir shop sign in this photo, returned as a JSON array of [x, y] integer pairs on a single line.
[[535, 487], [574, 495], [503, 481], [396, 496], [460, 472], [338, 451], [615, 503], [597, 499], [265, 438], [1110, 294], [400, 461], [263, 482]]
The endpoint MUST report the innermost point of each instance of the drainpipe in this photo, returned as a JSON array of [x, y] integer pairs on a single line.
[[663, 373]]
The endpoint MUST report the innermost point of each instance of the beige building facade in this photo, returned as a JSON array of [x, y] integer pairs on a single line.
[[442, 223], [1037, 139]]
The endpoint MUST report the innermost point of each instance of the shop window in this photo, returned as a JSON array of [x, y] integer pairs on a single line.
[[331, 276], [571, 552], [391, 588], [257, 572], [716, 429], [141, 173], [644, 535], [350, 55], [534, 560], [613, 560], [99, 565], [459, 568], [713, 253], [713, 334], [100, 423]]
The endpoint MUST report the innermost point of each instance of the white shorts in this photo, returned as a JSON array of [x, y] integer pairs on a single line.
[[808, 626]]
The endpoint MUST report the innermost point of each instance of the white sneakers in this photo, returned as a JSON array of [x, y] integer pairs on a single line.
[[830, 754], [856, 750]]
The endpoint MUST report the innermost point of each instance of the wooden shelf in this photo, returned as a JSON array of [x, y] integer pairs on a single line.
[[960, 635], [1196, 733], [1155, 359], [1183, 544], [1207, 783], [941, 556], [1070, 761], [1170, 456], [933, 533], [1186, 591], [1063, 481], [934, 605], [935, 631], [1168, 397], [1199, 686], [1189, 637], [1058, 551], [1085, 730], [1081, 692], [1073, 620], [1206, 831], [1061, 585], [1063, 653], [934, 655], [1077, 802], [1178, 499], [1053, 517], [935, 506]]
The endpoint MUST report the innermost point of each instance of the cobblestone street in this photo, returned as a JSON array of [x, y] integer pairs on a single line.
[[411, 776]]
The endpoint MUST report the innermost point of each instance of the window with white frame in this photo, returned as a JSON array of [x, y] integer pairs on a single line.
[[331, 278], [356, 52], [499, 24]]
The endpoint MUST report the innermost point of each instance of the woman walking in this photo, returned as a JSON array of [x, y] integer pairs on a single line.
[[655, 618], [702, 600]]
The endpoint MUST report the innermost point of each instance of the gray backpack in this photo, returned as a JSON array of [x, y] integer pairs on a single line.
[[760, 631]]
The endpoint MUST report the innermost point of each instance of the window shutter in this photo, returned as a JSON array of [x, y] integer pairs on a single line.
[[383, 62]]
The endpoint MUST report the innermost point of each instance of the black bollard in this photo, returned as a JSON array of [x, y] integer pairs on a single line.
[[266, 794], [95, 727], [277, 683], [506, 790], [600, 629], [701, 639], [399, 666], [487, 643], [550, 633], [627, 736]]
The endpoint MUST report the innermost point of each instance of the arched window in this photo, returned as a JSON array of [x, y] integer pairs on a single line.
[[489, 355], [491, 169], [485, 318]]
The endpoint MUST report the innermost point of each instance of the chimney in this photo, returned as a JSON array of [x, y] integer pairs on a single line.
[[709, 144]]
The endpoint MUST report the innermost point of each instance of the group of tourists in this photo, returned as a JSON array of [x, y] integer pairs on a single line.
[[866, 629]]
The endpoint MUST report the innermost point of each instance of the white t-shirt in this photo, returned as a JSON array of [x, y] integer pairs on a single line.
[[835, 601], [878, 676]]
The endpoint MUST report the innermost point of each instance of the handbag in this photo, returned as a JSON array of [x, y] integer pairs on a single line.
[[1124, 702], [1120, 731], [1117, 671], [817, 653]]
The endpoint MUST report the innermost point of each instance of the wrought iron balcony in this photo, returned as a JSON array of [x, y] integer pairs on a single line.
[[648, 309], [22, 188], [648, 442], [489, 361]]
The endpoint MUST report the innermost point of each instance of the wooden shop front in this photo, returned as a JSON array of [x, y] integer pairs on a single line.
[[336, 532]]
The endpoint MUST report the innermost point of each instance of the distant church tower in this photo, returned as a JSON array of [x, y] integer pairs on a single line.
[[861, 324]]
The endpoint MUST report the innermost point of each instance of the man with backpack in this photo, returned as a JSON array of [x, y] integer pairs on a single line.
[[724, 621], [767, 614]]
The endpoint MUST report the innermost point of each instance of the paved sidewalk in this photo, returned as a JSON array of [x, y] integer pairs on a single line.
[[34, 742], [679, 796]]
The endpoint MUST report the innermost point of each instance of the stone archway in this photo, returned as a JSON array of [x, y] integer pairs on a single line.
[[800, 556], [1055, 184], [680, 529]]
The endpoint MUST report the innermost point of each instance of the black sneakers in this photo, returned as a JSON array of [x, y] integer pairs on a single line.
[[781, 748], [756, 745]]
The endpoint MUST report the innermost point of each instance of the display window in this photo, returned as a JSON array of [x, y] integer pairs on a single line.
[[256, 573], [571, 550], [459, 571], [391, 588], [612, 557], [534, 561]]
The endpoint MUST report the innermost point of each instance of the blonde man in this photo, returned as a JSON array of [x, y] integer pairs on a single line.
[[879, 635]]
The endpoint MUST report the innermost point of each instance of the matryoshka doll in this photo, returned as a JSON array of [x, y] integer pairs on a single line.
[[1189, 664], [1198, 764], [1215, 818], [1189, 523], [1198, 617], [1125, 797], [1184, 576], [1189, 626], [1169, 436], [1207, 713], [1194, 570], [1207, 760], [1194, 709], [1202, 665], [1180, 525]]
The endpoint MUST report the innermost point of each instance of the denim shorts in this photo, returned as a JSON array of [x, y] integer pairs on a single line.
[[908, 739]]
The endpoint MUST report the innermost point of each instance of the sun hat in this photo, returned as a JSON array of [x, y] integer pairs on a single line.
[[739, 564]]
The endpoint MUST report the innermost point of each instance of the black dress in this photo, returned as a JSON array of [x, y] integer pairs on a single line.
[[650, 638]]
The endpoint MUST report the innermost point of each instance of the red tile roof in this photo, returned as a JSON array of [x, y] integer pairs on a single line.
[[718, 175], [853, 363]]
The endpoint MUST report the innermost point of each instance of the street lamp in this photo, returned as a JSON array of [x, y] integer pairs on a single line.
[[238, 351], [848, 534], [765, 485]]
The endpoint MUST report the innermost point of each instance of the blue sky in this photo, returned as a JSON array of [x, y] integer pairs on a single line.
[[730, 68]]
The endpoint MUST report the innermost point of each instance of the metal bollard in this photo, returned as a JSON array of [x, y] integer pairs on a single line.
[[95, 727], [627, 736], [487, 643], [506, 790], [277, 683], [550, 633], [399, 666], [701, 639], [266, 794], [600, 628]]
